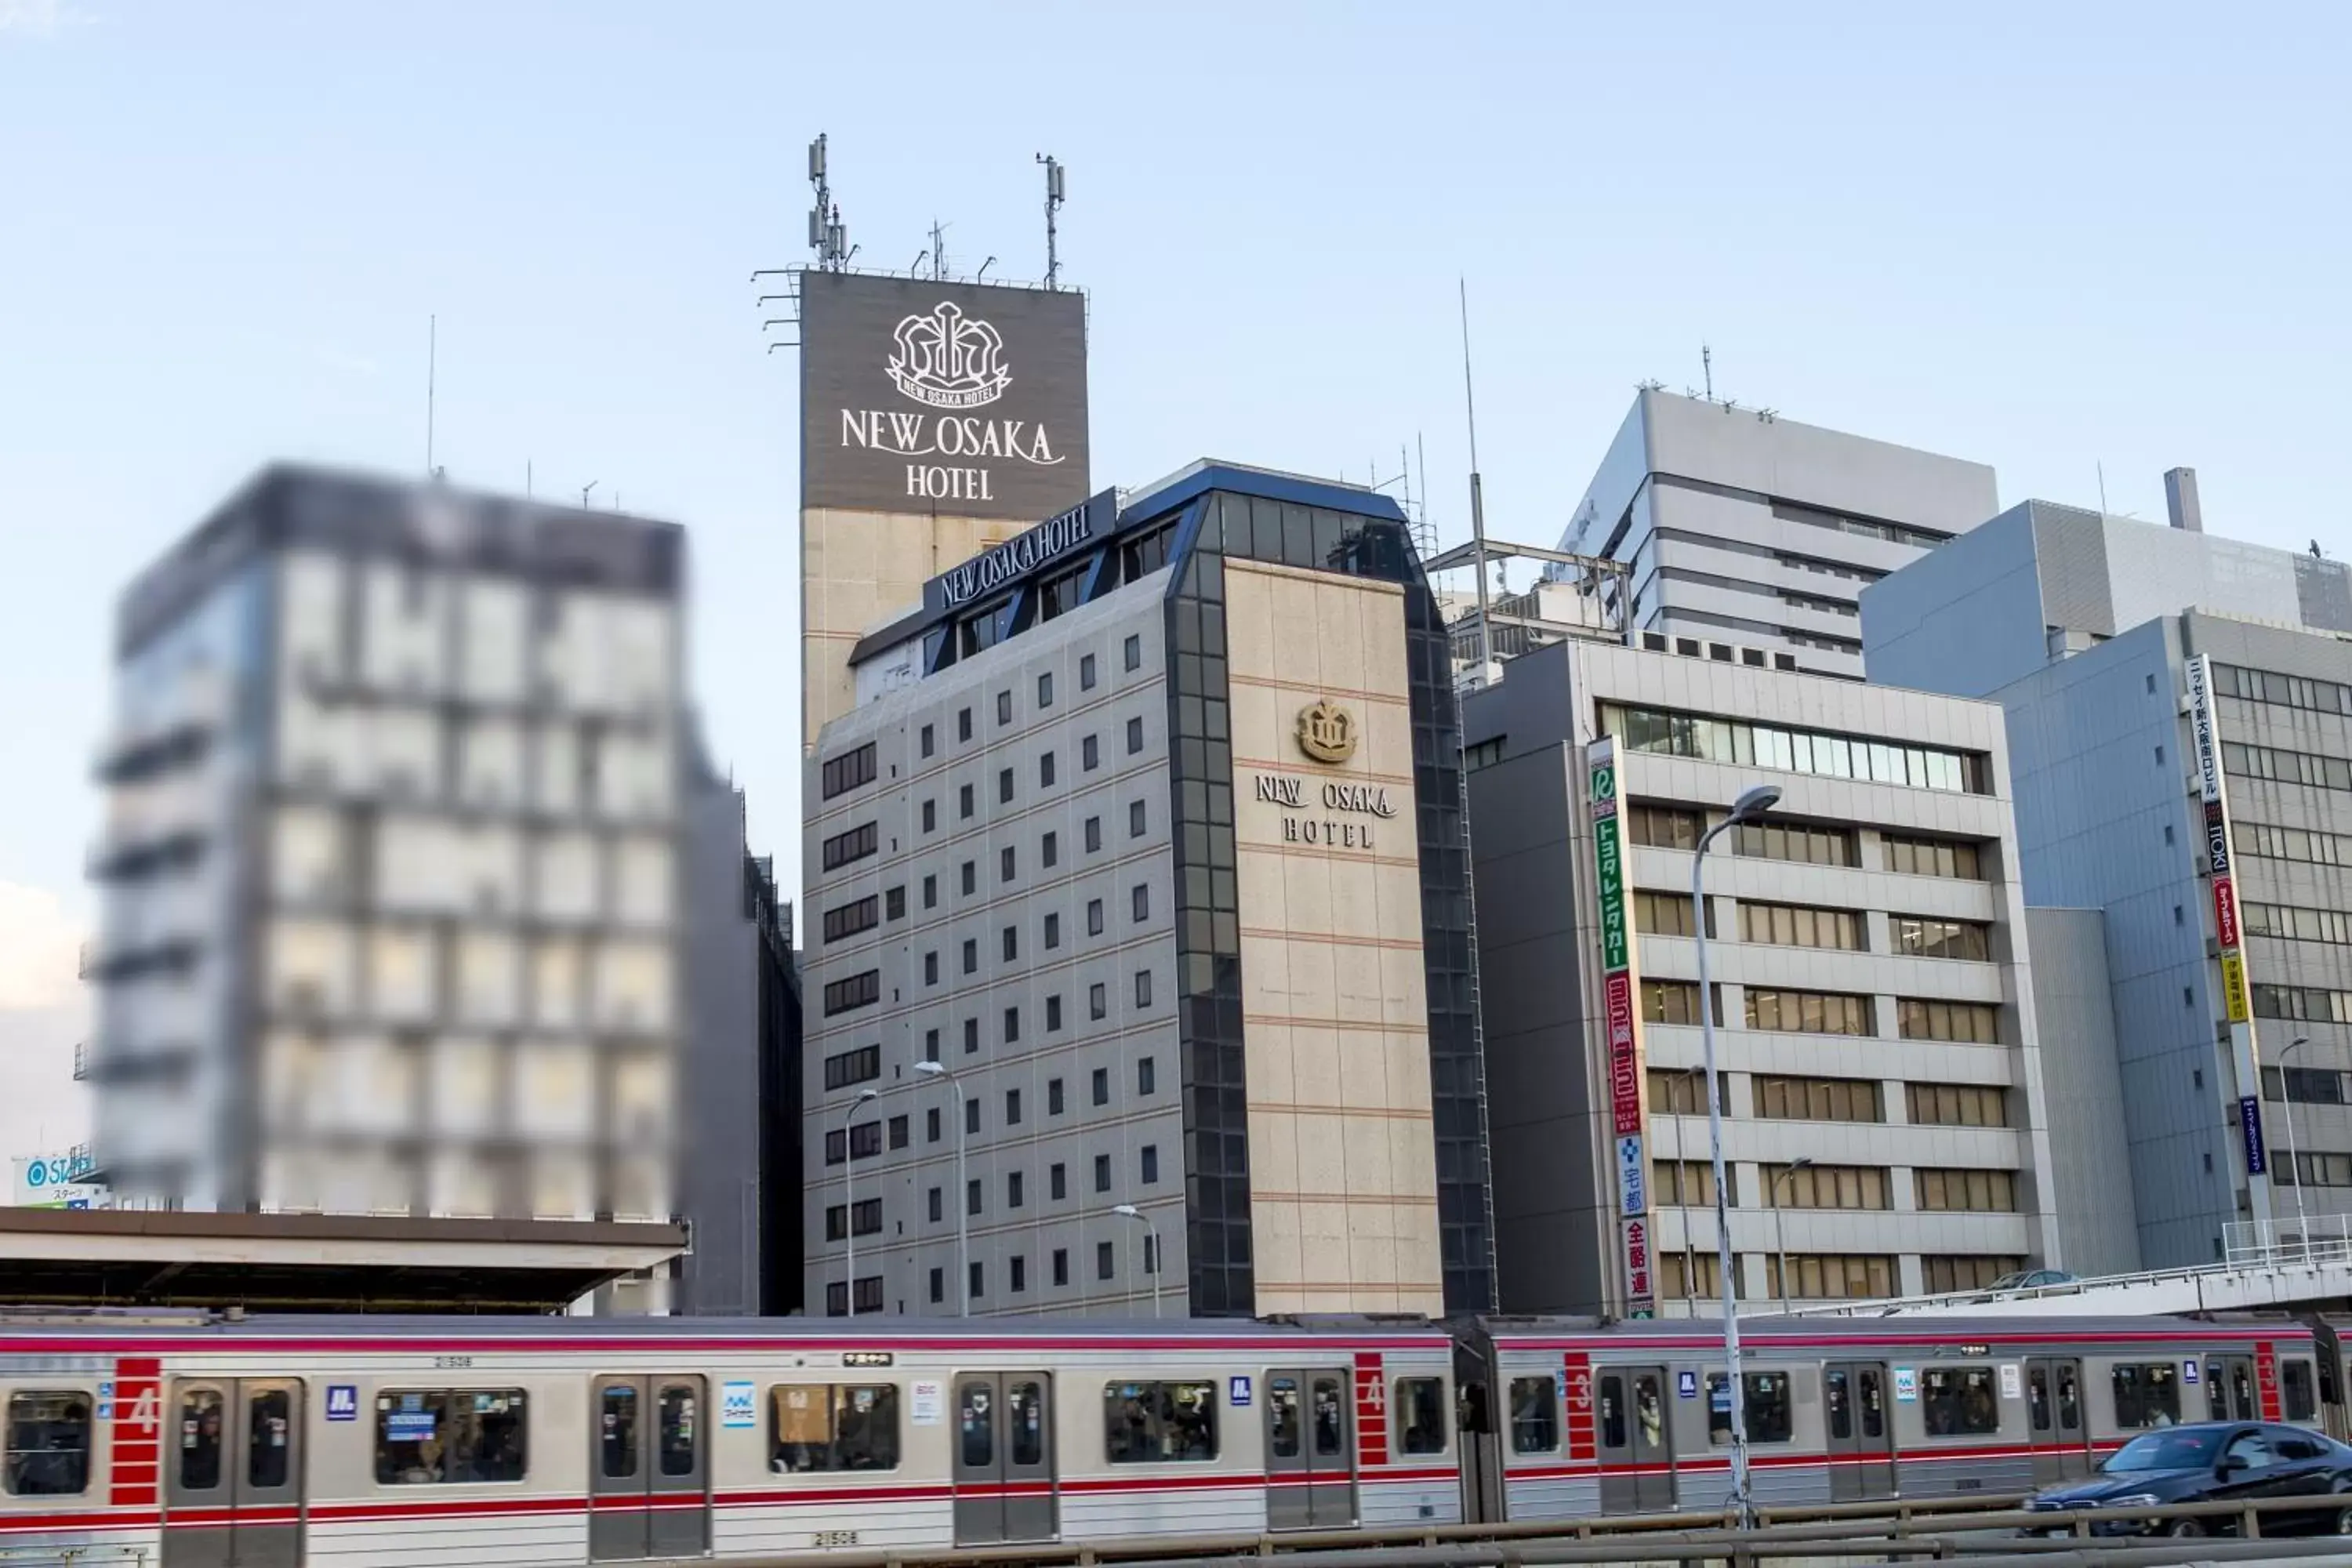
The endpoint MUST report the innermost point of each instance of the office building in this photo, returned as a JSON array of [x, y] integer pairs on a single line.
[[391, 860], [1867, 971], [1141, 958], [2179, 711], [1742, 527]]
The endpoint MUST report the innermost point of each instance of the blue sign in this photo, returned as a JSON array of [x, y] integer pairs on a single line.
[[342, 1402], [737, 1406], [412, 1426], [2187, 1372], [2249, 1121], [1687, 1385], [1237, 1391]]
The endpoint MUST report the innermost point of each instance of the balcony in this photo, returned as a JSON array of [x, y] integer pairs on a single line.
[[107, 968], [127, 855]]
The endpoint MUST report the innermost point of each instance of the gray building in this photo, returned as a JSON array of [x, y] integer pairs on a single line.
[[2081, 1090], [1870, 985], [1142, 968], [1743, 527], [2086, 629]]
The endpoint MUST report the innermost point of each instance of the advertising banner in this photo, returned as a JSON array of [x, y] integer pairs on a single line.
[[1621, 1025], [2212, 789]]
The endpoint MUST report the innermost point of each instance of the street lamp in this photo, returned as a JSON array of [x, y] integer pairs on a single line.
[[2294, 1164], [1779, 1238], [1751, 805], [946, 1074], [1151, 1255], [849, 1192]]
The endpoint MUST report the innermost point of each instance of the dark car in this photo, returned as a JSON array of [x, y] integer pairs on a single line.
[[2217, 1461]]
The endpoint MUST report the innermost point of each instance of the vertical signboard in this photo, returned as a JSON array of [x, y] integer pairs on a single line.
[[2237, 1005], [1621, 1023]]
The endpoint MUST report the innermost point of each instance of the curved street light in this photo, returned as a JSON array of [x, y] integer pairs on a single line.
[[849, 1193], [1152, 1256], [946, 1074]]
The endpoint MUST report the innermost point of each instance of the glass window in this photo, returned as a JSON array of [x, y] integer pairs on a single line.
[[1535, 1415], [267, 1456], [832, 1426], [1282, 1417], [1956, 1401], [49, 1442], [1157, 1423], [2148, 1394], [1765, 1403], [679, 1411], [1421, 1414], [429, 1436], [2301, 1392], [202, 1416]]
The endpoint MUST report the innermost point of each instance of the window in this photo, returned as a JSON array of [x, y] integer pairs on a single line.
[[930, 1045], [1693, 1276], [1046, 690], [1049, 849], [1094, 917], [894, 903], [1045, 769], [1829, 1275], [2282, 690], [1136, 819], [2302, 1395], [971, 1035], [963, 800], [1086, 672], [931, 815], [1535, 1415], [972, 1196], [2148, 1394], [1151, 1164], [1923, 938], [1134, 736], [2308, 1086], [855, 991], [1140, 898], [1143, 988], [1970, 1192], [929, 740], [1765, 1404], [432, 1435], [1093, 834], [843, 848], [1665, 914], [1799, 841], [1106, 1260], [2309, 846], [1010, 940], [930, 969], [1053, 1014], [938, 1286], [49, 1442], [1100, 1081], [931, 1121], [934, 1206], [849, 920], [1061, 1262], [1825, 1186], [1012, 1108], [1134, 653], [1801, 925], [963, 724], [971, 1115], [832, 1427], [1013, 1193], [847, 771], [1012, 1026], [2304, 1004], [868, 1217], [1053, 930], [1089, 753], [930, 892], [1098, 1002], [1965, 1271], [1809, 1012], [1670, 1002], [2290, 923], [1102, 1173], [1975, 1023], [1057, 1187], [971, 878], [1934, 857], [970, 955], [860, 1066], [1957, 1105], [1956, 1401], [1676, 1092], [2309, 1168], [1019, 1267], [1147, 1076], [1004, 786], [1817, 1099], [1004, 708], [1053, 1105], [1796, 751], [1420, 1414], [1664, 826], [1158, 1423], [1688, 1183]]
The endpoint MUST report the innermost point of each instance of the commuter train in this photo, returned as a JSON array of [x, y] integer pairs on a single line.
[[270, 1443]]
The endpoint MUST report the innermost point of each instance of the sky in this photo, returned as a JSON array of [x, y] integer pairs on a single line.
[[2059, 238]]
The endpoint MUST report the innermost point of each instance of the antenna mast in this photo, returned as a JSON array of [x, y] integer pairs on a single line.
[[1707, 369], [432, 357], [938, 252], [825, 234], [1053, 206], [1477, 498]]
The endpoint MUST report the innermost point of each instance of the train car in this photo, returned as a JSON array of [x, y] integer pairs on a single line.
[[365, 1441], [1573, 1418]]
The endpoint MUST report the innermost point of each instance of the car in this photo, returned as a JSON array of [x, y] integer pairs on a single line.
[[2215, 1461], [2031, 1278]]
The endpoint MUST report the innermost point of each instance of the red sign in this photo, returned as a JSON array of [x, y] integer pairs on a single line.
[[1578, 1372], [2225, 913], [1371, 1410], [1624, 1068], [137, 1417], [1637, 1259], [2266, 1378]]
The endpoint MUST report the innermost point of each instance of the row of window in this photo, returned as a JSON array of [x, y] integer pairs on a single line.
[[2304, 1004], [839, 775], [1680, 827], [1810, 1012], [1795, 750], [857, 915], [2294, 922], [926, 739], [2307, 844], [2284, 690], [1783, 1098], [864, 1141], [2278, 765], [849, 846], [862, 1065], [1017, 1269], [1807, 925], [1049, 933], [1690, 1184], [968, 799], [1824, 1276]]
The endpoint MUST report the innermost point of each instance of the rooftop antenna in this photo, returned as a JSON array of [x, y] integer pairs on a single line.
[[2103, 489], [825, 234], [1707, 369], [590, 485], [938, 250], [1053, 206], [1477, 498], [432, 356]]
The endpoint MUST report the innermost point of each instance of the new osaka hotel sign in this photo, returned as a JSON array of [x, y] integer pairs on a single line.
[[947, 398]]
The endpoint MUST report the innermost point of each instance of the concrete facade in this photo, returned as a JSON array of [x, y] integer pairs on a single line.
[[2082, 1084], [1915, 1092], [1747, 528]]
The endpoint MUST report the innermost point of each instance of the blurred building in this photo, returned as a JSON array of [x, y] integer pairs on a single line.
[[392, 859]]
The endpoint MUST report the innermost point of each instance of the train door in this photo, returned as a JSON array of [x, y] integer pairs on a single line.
[[1004, 1459], [1861, 1439], [232, 1480], [1636, 1450], [1310, 1451], [2053, 1420], [649, 1469], [2230, 1388]]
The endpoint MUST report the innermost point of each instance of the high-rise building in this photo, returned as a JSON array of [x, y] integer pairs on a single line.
[[1867, 975], [1142, 960], [391, 863], [2179, 715], [1743, 527]]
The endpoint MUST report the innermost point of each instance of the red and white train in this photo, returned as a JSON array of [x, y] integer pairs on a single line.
[[356, 1441]]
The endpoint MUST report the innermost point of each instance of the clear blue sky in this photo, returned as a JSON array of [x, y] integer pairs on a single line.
[[2039, 236]]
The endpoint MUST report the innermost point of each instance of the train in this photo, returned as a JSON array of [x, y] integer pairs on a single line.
[[209, 1440]]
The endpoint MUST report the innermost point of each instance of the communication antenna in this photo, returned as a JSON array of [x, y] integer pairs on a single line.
[[1477, 498], [825, 234], [938, 250], [1052, 205], [1707, 369], [432, 355]]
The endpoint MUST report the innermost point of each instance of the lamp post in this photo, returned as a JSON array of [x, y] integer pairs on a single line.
[[849, 1194], [2293, 1161], [1129, 1211], [946, 1074], [1780, 1237], [1751, 805]]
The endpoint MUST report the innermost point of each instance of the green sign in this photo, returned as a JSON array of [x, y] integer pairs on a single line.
[[1610, 862]]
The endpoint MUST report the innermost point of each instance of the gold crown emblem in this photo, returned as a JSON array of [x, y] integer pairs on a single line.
[[1326, 731]]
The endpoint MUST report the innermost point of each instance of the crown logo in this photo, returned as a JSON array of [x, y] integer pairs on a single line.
[[948, 360], [1326, 731]]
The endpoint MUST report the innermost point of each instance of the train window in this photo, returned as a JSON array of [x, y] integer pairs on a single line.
[[824, 1427], [1328, 1419], [1151, 1423], [49, 1442], [463, 1435], [1024, 1412], [1838, 1395], [1873, 1403], [2037, 1397], [679, 1411], [2148, 1394], [201, 1414], [268, 1418], [1959, 1399], [1535, 1415], [2295, 1383], [1613, 1410], [618, 1440], [1768, 1405], [1421, 1414], [1282, 1417]]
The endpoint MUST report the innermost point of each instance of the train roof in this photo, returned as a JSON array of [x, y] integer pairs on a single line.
[[1910, 1331]]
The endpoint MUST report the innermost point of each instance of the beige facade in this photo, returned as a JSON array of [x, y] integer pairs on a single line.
[[858, 571], [1343, 1192]]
